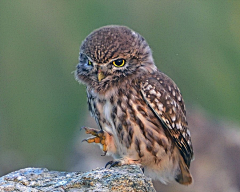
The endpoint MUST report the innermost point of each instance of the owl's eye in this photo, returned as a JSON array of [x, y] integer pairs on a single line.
[[119, 62], [89, 62]]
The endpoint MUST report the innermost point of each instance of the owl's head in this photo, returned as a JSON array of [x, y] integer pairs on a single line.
[[112, 54]]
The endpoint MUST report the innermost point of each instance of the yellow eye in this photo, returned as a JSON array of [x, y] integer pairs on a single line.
[[119, 62], [89, 62]]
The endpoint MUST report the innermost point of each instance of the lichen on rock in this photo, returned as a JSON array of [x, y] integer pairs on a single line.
[[123, 178]]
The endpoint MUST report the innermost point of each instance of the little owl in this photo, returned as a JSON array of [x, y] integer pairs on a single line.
[[139, 110]]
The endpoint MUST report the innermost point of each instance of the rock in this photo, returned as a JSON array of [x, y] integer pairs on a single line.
[[123, 178]]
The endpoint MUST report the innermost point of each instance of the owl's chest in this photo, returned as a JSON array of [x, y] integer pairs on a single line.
[[101, 108], [126, 116], [122, 112]]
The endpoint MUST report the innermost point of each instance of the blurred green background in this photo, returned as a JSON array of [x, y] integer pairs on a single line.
[[196, 43]]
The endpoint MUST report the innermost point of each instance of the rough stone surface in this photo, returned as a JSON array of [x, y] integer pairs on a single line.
[[124, 178]]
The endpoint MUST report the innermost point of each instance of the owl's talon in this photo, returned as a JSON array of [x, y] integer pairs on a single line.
[[108, 163], [113, 164], [94, 132], [81, 128], [99, 138]]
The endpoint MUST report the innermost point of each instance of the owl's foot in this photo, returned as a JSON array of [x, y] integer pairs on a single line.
[[99, 137], [124, 161], [113, 164]]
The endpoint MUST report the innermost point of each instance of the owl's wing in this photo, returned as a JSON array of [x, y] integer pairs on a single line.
[[164, 99]]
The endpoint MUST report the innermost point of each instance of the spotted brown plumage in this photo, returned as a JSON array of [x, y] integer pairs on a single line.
[[139, 110]]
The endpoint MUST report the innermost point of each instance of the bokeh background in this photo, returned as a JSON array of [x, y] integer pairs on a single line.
[[42, 107]]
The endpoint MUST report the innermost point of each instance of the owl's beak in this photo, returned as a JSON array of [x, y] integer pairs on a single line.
[[100, 75]]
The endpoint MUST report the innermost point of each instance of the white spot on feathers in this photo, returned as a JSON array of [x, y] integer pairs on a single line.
[[179, 126], [153, 92], [173, 118], [158, 94], [160, 106], [179, 98], [169, 88], [149, 87]]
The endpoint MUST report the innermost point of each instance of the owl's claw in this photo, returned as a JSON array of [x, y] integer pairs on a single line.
[[99, 137], [113, 164], [94, 132], [124, 161], [104, 153], [81, 128]]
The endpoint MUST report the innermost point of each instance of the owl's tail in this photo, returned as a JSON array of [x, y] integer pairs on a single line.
[[184, 177]]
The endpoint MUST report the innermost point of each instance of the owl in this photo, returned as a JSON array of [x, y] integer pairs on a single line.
[[139, 110]]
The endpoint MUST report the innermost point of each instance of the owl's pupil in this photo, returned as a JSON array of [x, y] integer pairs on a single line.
[[119, 62]]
